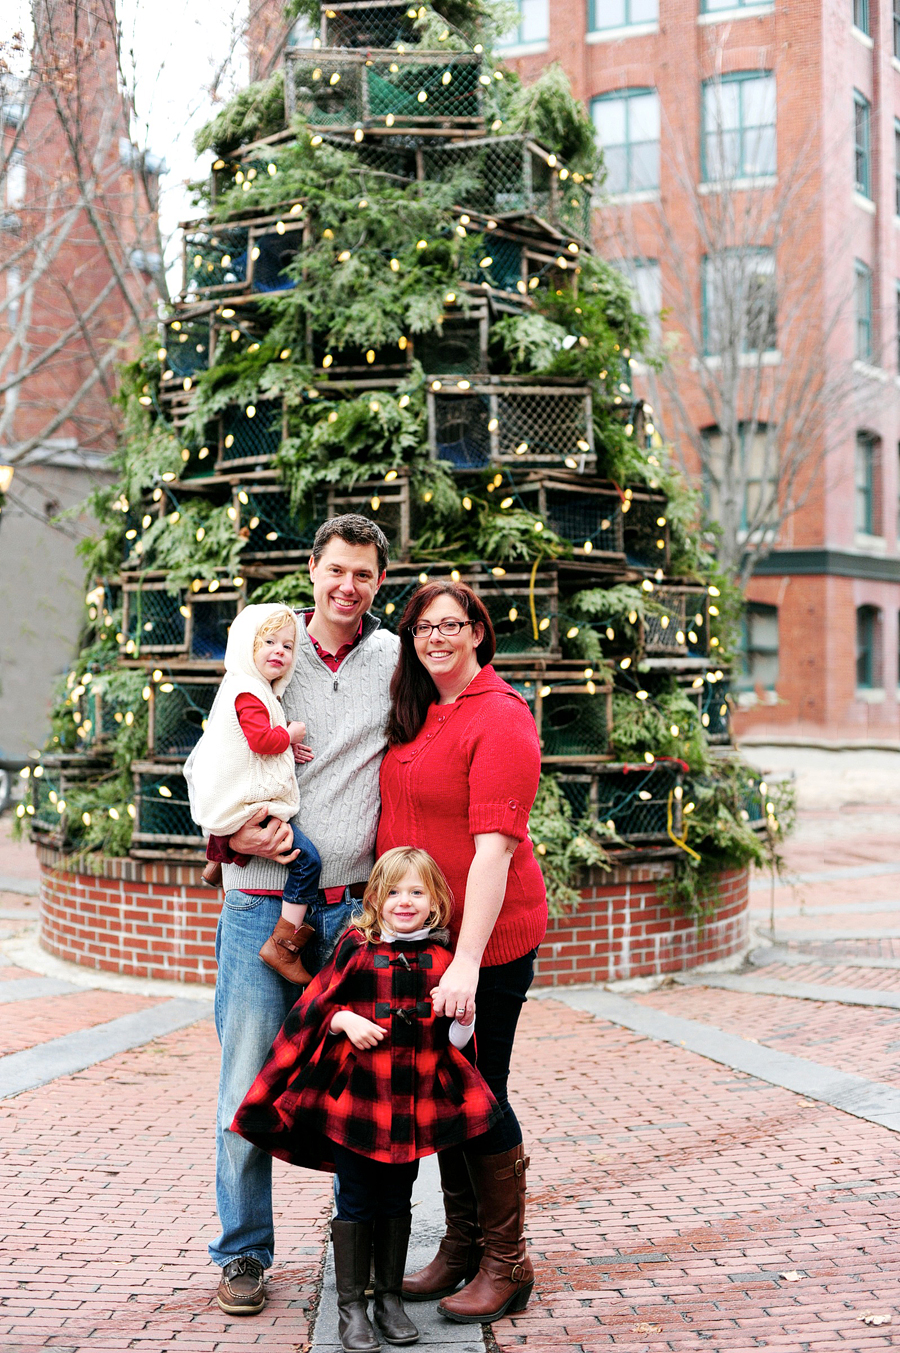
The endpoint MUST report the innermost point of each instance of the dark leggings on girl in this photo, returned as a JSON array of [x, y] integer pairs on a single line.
[[501, 993], [370, 1190]]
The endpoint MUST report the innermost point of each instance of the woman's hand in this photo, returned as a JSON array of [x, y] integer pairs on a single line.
[[273, 842], [302, 753], [454, 996], [361, 1031]]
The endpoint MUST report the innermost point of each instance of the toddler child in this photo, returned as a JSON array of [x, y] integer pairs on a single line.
[[246, 760], [364, 1079]]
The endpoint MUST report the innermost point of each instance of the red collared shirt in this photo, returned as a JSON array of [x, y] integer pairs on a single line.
[[332, 660]]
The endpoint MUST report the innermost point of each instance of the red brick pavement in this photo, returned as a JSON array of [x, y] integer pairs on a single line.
[[25, 1024], [860, 1039], [873, 979]]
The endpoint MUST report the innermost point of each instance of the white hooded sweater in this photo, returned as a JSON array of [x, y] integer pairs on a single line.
[[228, 781]]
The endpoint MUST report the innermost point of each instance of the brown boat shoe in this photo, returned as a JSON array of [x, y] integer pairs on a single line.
[[242, 1287]]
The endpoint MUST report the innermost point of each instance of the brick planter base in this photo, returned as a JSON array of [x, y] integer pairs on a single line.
[[149, 919]]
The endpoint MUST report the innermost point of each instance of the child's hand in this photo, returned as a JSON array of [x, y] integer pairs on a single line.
[[361, 1031], [296, 731]]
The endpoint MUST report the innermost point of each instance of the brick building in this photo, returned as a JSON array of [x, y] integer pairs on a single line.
[[765, 105], [77, 256]]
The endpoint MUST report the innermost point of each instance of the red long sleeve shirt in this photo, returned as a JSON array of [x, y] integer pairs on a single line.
[[472, 770], [257, 726]]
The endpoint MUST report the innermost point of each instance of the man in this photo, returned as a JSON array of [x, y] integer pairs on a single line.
[[340, 690]]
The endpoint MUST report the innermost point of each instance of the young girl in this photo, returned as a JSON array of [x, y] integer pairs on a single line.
[[246, 759], [363, 1079]]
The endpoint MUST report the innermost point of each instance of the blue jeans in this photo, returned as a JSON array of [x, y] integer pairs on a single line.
[[302, 885], [251, 1004]]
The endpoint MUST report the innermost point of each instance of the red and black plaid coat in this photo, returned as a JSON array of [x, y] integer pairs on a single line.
[[412, 1094]]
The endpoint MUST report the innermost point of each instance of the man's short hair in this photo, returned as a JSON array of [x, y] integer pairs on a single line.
[[355, 530]]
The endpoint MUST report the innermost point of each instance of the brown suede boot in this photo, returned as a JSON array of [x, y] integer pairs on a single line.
[[282, 951], [504, 1281], [459, 1253], [212, 875]]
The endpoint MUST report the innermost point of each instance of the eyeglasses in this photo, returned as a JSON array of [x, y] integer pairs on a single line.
[[447, 627]]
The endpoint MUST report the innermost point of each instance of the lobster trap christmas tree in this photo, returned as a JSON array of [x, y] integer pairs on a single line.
[[392, 306]]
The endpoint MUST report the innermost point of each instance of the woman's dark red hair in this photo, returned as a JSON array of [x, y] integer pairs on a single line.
[[412, 689]]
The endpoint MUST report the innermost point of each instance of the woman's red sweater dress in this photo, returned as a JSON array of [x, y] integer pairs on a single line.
[[473, 769]]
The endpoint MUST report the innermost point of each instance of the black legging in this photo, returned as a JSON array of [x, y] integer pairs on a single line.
[[501, 993]]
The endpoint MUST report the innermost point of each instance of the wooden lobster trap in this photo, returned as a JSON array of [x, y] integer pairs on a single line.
[[516, 264], [645, 529], [676, 622], [359, 24], [573, 714], [250, 435], [502, 421], [186, 347], [271, 527], [513, 177], [712, 693], [579, 508], [162, 807], [52, 782], [640, 803], [386, 500], [189, 622], [344, 90]]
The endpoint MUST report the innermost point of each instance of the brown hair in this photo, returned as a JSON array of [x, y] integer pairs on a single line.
[[354, 530], [278, 620], [412, 689], [388, 872]]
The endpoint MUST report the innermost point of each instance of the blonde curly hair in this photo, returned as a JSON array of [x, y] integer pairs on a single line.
[[389, 870], [278, 620]]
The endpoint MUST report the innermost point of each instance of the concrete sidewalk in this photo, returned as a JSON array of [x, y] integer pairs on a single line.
[[679, 1198]]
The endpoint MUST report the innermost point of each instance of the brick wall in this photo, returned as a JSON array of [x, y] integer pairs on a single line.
[[144, 919]]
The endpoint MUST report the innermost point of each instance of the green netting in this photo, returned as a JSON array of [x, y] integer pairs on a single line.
[[595, 518], [163, 808], [370, 500], [255, 436], [665, 627], [214, 256], [270, 256], [187, 346], [201, 456], [636, 802], [715, 712], [461, 431], [500, 265], [98, 709], [179, 715], [273, 526], [155, 620], [390, 602], [341, 90], [370, 26], [46, 818], [574, 723], [510, 613], [646, 541], [456, 350], [576, 790], [543, 427], [210, 619]]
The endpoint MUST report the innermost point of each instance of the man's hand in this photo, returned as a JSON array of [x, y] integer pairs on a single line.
[[273, 842], [454, 996], [361, 1031]]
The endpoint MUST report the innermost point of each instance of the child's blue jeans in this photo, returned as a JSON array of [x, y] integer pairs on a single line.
[[302, 887]]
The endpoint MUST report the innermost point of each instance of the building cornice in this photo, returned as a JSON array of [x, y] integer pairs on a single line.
[[830, 563]]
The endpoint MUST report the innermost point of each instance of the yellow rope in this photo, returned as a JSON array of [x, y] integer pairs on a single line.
[[534, 621], [682, 843]]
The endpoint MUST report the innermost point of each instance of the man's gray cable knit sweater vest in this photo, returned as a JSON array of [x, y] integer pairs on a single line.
[[345, 713]]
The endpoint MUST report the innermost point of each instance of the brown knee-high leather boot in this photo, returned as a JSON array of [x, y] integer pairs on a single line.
[[460, 1251], [504, 1281]]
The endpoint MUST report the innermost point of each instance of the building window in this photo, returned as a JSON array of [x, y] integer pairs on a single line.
[[755, 467], [627, 127], [533, 25], [866, 484], [897, 28], [897, 165], [868, 647], [739, 126], [861, 15], [739, 302], [897, 284], [861, 156], [13, 283], [711, 6], [759, 648], [15, 179], [646, 282], [863, 304], [622, 13]]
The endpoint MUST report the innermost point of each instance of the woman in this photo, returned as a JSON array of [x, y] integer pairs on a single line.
[[459, 780]]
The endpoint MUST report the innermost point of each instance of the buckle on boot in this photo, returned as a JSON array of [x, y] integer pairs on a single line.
[[519, 1167], [517, 1273]]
